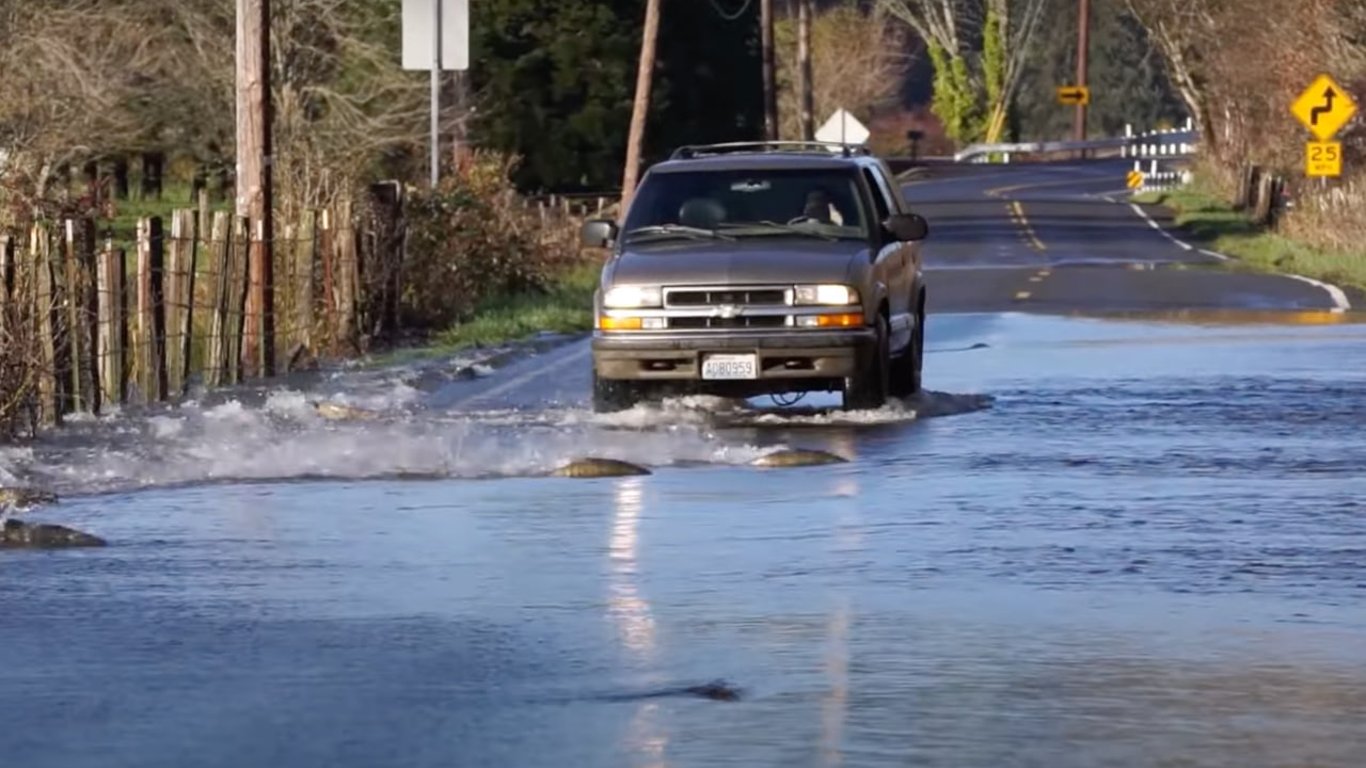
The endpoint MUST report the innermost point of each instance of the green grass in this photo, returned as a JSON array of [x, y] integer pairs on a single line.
[[1214, 224], [566, 308], [125, 222]]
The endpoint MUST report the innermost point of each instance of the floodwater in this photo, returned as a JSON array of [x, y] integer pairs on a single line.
[[1132, 543]]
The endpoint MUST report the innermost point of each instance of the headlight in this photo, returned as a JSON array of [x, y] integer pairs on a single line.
[[633, 297], [825, 295]]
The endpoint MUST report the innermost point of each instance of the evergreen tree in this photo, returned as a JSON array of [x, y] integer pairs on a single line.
[[1126, 76], [554, 81]]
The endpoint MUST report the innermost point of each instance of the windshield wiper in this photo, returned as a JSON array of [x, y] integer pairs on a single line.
[[676, 229], [773, 226]]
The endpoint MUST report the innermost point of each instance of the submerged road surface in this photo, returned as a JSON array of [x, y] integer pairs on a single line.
[[1130, 539]]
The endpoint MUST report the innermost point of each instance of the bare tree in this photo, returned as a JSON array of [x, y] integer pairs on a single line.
[[938, 22], [1182, 30], [856, 61], [1019, 21], [91, 78], [980, 49]]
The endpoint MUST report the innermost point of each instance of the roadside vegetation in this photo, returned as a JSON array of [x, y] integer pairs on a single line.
[[1213, 223], [1242, 110]]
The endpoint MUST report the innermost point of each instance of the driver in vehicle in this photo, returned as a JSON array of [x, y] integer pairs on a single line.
[[820, 208]]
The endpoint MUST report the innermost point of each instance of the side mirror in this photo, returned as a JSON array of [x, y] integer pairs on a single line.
[[908, 227], [598, 233]]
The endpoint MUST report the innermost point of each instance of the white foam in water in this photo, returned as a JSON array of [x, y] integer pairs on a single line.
[[286, 439]]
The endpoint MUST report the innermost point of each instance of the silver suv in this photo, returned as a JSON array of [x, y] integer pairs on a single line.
[[760, 269]]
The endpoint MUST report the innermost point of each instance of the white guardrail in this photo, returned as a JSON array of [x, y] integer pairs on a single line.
[[1171, 142]]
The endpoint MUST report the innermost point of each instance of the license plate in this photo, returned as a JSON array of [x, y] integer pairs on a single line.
[[730, 367]]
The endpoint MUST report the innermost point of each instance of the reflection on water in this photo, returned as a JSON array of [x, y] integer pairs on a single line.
[[848, 538], [627, 608], [645, 736]]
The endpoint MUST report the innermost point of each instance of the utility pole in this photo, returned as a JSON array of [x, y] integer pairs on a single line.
[[436, 96], [641, 109], [1083, 49], [770, 74], [255, 198], [804, 70]]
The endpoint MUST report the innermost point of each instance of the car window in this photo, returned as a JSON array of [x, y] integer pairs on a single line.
[[824, 201], [890, 188], [880, 199]]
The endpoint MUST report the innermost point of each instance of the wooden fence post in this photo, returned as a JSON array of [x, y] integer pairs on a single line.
[[382, 260], [304, 256], [238, 246], [219, 262], [113, 328], [6, 280], [179, 287], [39, 257], [151, 318], [327, 251], [78, 255], [348, 270]]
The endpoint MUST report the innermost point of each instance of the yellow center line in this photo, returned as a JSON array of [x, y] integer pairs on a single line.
[[1017, 210], [1022, 295]]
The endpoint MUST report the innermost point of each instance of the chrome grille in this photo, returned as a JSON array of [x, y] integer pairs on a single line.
[[717, 297], [750, 321]]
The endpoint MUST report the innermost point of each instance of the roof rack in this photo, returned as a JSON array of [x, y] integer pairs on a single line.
[[697, 150]]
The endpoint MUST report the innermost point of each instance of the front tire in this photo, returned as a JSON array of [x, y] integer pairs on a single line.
[[614, 395], [867, 389], [907, 369]]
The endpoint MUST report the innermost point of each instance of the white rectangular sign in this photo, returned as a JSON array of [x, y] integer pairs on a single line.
[[419, 32]]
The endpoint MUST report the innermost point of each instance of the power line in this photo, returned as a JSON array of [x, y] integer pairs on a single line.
[[737, 14]]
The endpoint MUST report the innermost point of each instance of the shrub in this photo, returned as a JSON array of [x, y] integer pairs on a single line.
[[19, 366], [475, 237]]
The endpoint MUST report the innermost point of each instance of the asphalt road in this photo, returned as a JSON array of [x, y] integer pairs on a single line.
[[1063, 238]]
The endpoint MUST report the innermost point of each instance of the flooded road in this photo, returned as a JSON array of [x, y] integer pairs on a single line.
[[1100, 542]]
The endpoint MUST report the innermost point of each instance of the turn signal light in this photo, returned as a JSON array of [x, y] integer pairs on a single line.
[[631, 323], [842, 320]]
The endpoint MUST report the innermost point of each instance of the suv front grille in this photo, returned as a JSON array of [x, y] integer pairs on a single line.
[[752, 321], [716, 297]]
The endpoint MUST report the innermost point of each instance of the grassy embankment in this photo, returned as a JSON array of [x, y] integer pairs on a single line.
[[1213, 223], [567, 307]]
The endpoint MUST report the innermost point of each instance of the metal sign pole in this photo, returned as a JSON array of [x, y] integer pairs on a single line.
[[436, 95]]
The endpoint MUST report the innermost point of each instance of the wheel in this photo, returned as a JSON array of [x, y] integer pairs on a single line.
[[907, 369], [867, 389], [612, 395]]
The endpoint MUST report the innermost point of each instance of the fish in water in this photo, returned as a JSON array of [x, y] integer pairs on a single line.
[[339, 412], [716, 690], [16, 533], [798, 457], [593, 467], [24, 498]]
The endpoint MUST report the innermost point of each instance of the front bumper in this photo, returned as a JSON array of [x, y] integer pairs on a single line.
[[782, 355]]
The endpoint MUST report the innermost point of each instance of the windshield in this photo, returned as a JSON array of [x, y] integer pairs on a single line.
[[746, 203]]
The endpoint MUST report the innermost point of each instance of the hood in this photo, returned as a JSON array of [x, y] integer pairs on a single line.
[[747, 260]]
